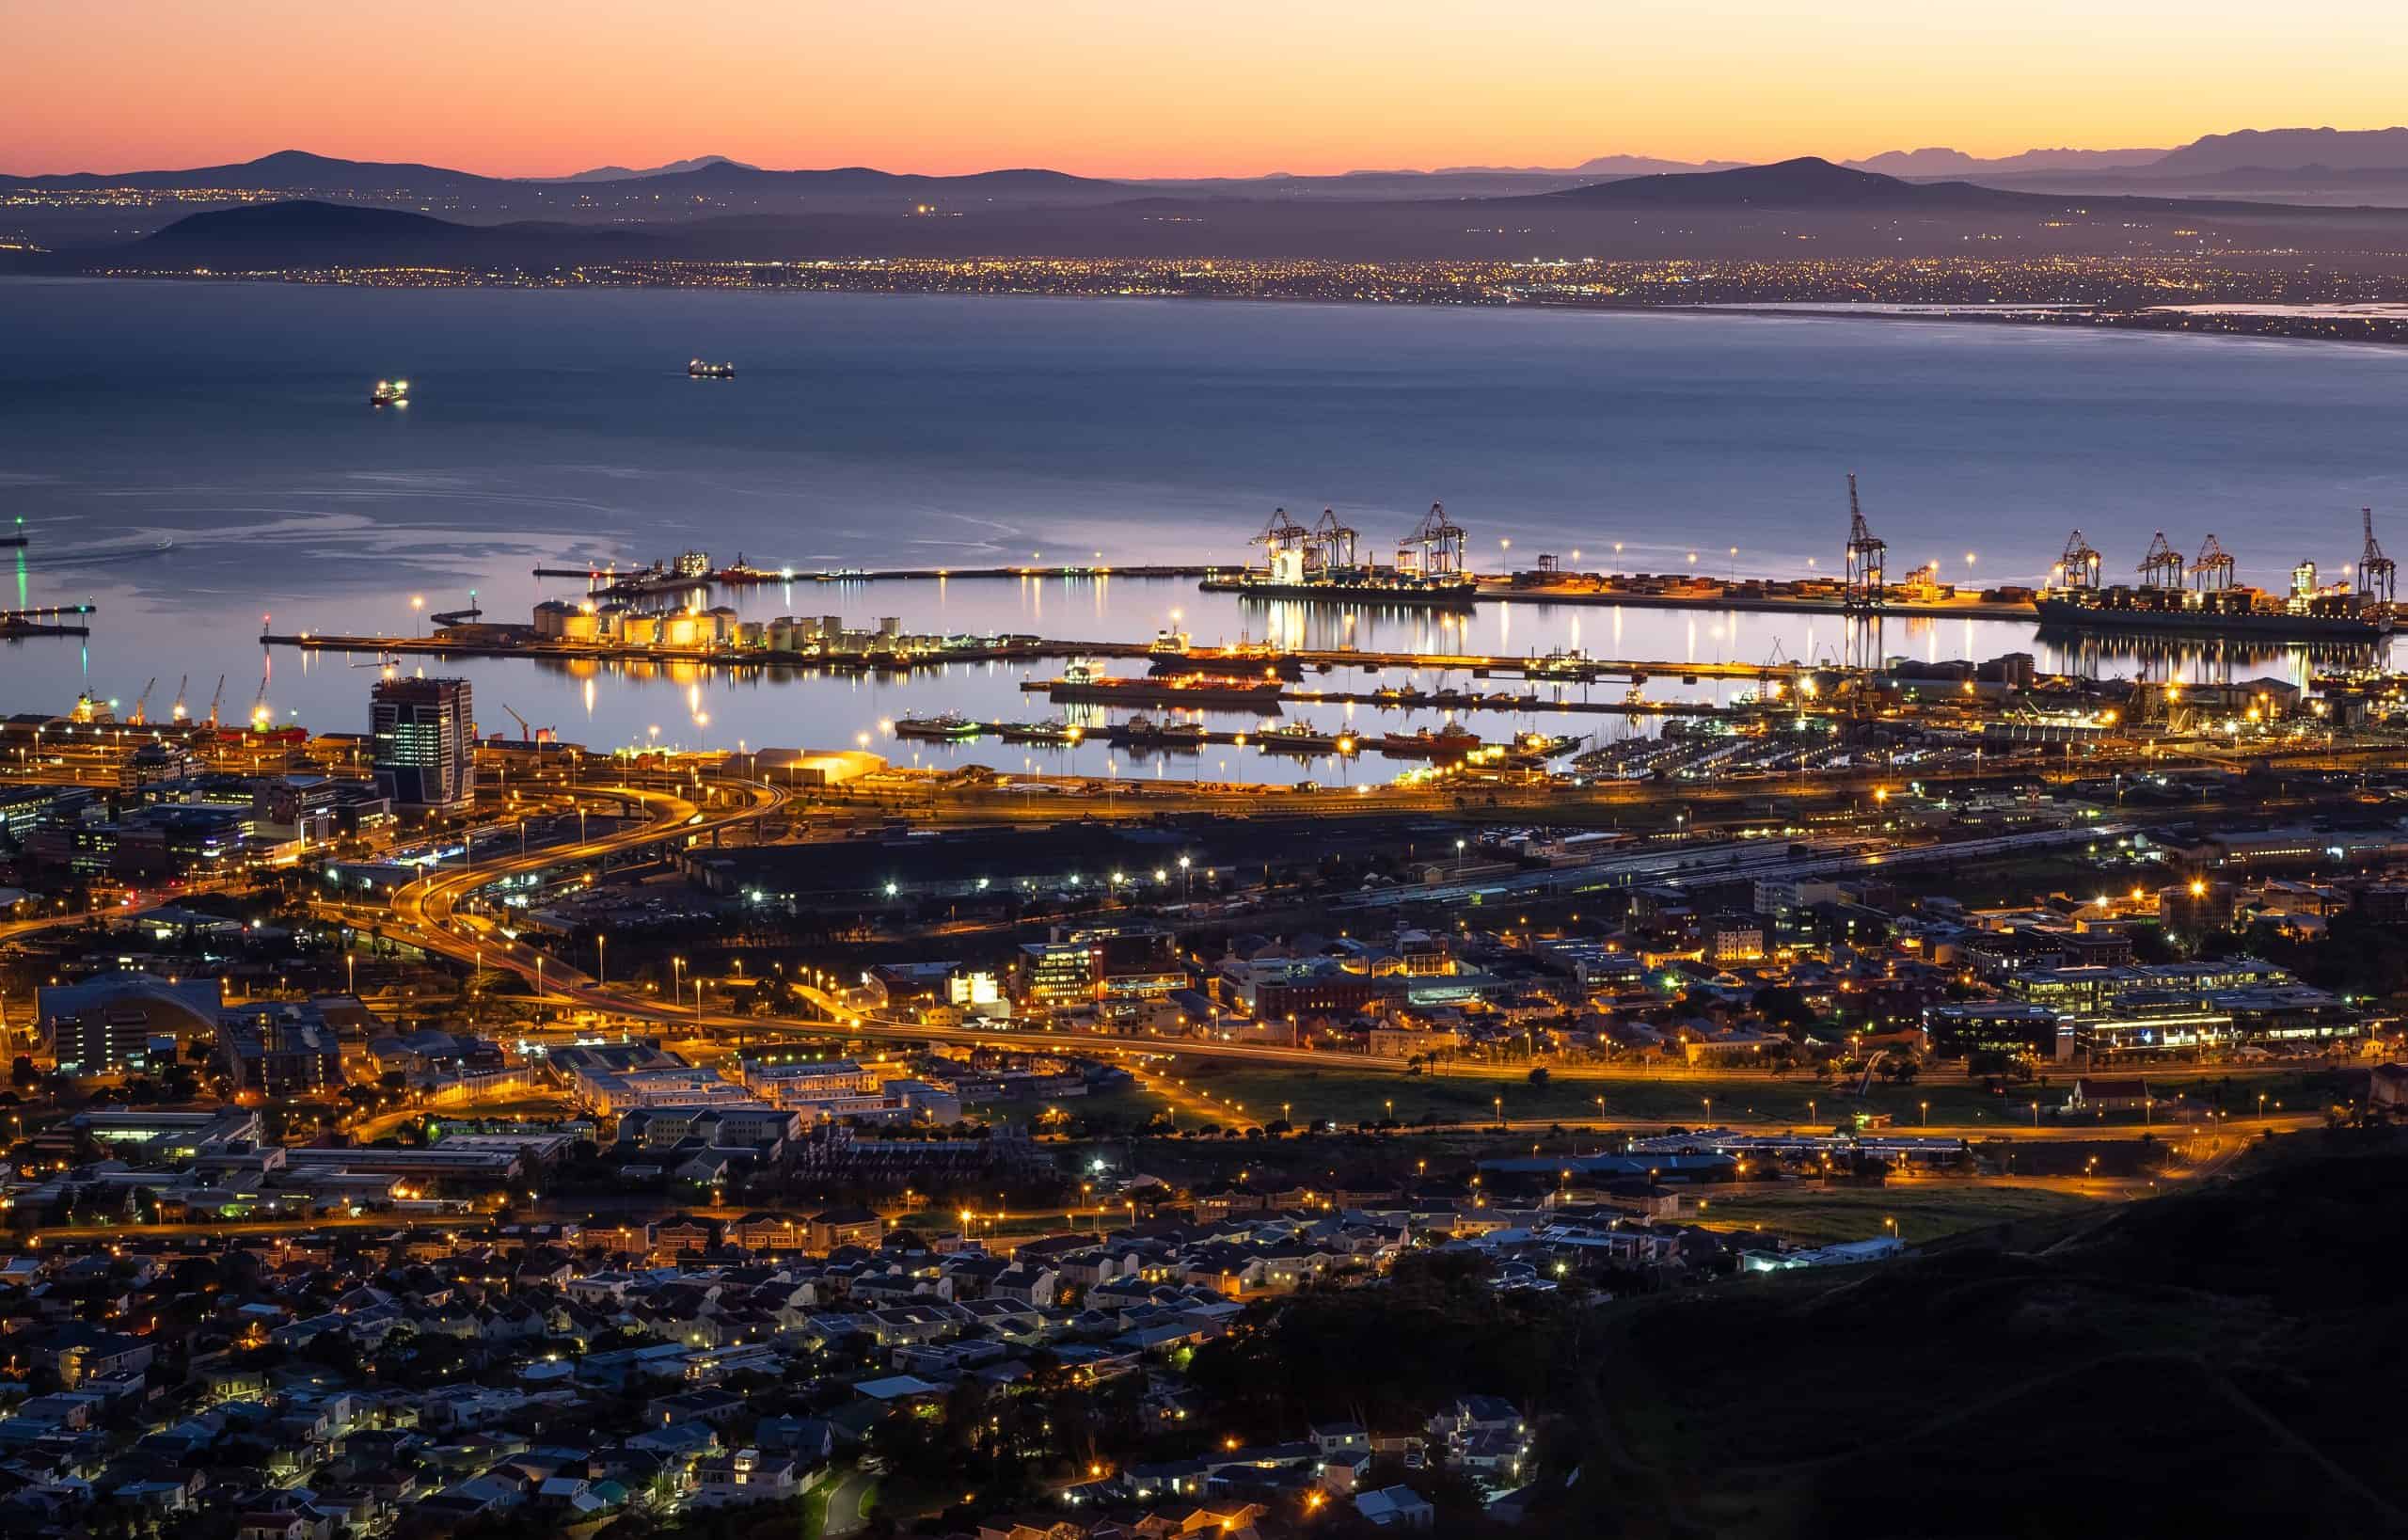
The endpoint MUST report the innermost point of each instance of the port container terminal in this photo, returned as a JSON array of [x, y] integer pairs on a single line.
[[1327, 562]]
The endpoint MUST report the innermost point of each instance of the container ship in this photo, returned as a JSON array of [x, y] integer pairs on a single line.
[[1366, 586], [2155, 609], [702, 369], [2214, 605], [1322, 561], [1191, 691]]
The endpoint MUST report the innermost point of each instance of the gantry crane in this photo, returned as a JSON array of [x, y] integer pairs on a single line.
[[2162, 566], [1280, 535], [1868, 557], [1435, 547], [1332, 542], [2079, 566], [2212, 571], [2376, 571]]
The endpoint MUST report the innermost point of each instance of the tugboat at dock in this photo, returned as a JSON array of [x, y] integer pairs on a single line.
[[390, 393], [1143, 732], [947, 728], [1303, 738], [1055, 732], [702, 369], [1082, 682]]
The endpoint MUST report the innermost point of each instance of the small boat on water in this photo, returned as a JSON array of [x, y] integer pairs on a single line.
[[702, 369], [1144, 732], [390, 393], [1451, 741], [1303, 738], [950, 727], [1055, 732]]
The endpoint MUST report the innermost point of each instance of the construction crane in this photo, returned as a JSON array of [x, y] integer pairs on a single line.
[[141, 703], [527, 734], [177, 711], [217, 695], [2162, 566], [259, 705], [2079, 566], [2376, 571], [2212, 571], [1867, 560]]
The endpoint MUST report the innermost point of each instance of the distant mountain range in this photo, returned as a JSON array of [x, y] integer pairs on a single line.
[[1955, 163], [622, 173], [2271, 159], [1750, 211], [1807, 181], [2278, 149]]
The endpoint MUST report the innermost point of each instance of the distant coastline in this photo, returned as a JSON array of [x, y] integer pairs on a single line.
[[2369, 313]]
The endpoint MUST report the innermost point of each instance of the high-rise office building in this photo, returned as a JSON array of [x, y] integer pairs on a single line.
[[425, 739]]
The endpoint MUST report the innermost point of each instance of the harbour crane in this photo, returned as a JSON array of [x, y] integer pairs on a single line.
[[1334, 541], [217, 695], [2377, 572], [2212, 571], [2079, 566], [2162, 566], [1435, 545], [1868, 559], [259, 705], [140, 717], [1281, 534], [177, 711]]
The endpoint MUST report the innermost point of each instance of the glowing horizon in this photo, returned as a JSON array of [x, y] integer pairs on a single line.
[[542, 88]]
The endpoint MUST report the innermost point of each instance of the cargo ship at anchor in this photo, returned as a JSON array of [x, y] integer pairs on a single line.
[[702, 369], [1322, 563], [1079, 682], [2212, 604]]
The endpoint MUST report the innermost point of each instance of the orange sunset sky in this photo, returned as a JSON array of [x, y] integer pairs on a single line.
[[1238, 87]]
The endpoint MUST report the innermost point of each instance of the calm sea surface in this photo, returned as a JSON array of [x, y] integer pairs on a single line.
[[560, 429]]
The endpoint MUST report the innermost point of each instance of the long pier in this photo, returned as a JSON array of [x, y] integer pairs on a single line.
[[1587, 590], [1552, 669], [615, 583], [1601, 589], [48, 620]]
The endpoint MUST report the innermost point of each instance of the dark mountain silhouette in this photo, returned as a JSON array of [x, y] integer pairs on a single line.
[[861, 180], [1808, 181], [305, 221], [304, 233], [294, 170], [287, 170]]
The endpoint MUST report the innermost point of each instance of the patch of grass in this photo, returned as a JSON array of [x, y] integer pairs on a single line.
[[1350, 1096], [1807, 1215], [814, 1508]]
